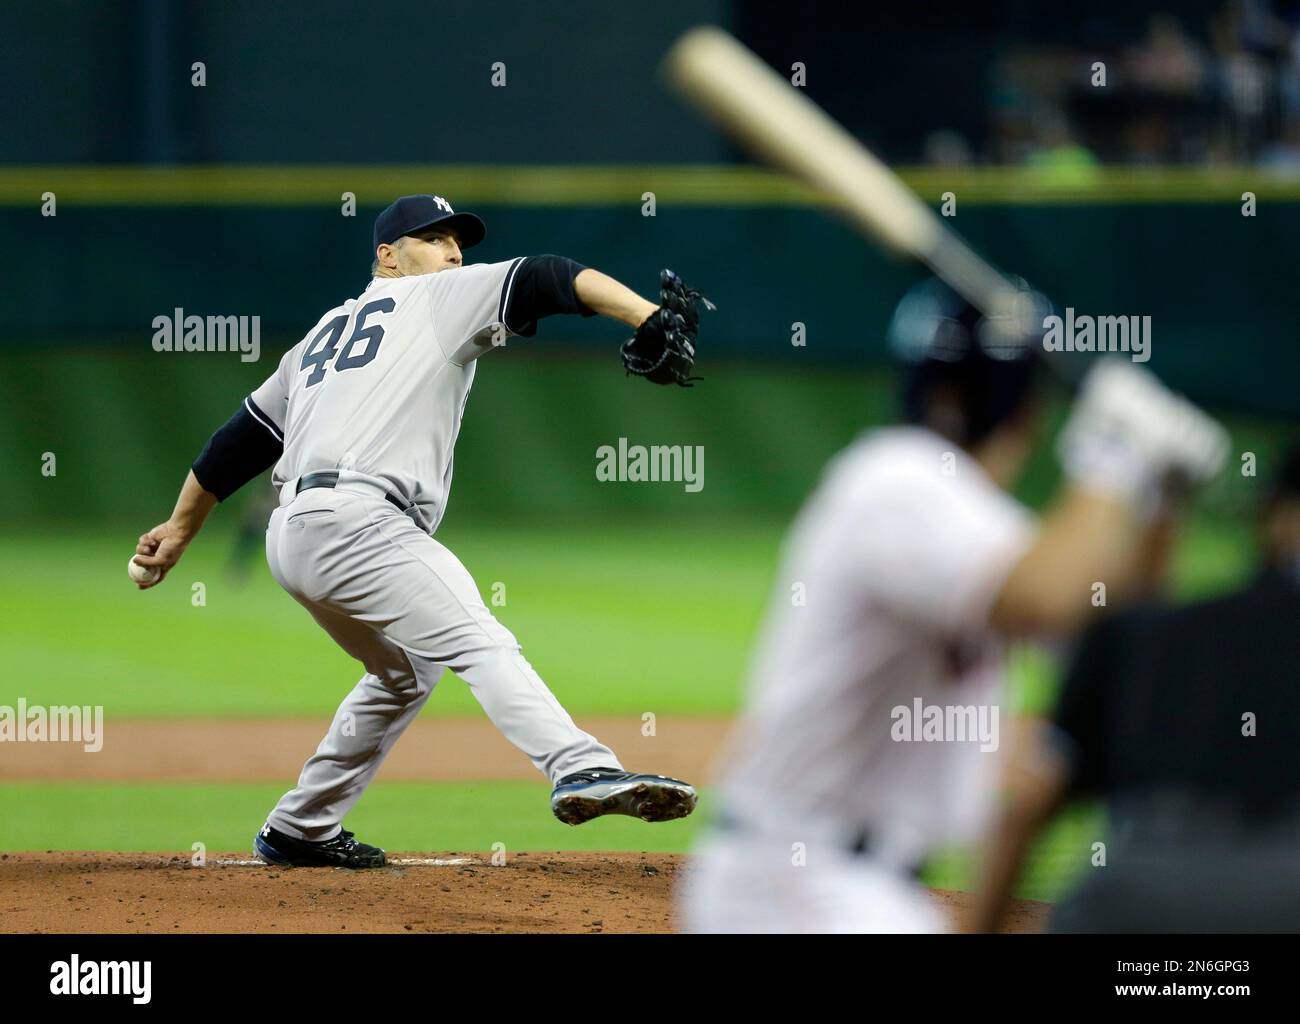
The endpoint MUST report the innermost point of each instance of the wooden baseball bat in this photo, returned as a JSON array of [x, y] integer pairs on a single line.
[[780, 124]]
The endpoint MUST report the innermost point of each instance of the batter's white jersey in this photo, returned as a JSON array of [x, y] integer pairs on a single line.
[[882, 600], [835, 787], [379, 385]]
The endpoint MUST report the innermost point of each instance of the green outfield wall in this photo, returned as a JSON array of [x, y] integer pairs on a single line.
[[129, 244], [124, 426]]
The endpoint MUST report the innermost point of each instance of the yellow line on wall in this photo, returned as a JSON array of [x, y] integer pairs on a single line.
[[582, 185]]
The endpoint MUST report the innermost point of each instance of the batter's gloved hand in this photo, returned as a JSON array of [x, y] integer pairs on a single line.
[[1130, 435], [663, 348]]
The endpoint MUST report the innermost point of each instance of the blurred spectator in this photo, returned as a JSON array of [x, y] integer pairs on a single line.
[[1283, 155], [947, 148], [1060, 156], [1168, 60], [1223, 90]]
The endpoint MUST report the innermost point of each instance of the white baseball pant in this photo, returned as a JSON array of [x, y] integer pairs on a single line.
[[406, 608], [753, 885]]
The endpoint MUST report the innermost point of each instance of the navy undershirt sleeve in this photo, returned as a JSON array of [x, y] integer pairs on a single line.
[[543, 286], [242, 447]]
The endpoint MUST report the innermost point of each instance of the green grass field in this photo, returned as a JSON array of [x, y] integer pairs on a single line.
[[465, 817], [592, 605], [462, 816], [616, 622], [617, 619]]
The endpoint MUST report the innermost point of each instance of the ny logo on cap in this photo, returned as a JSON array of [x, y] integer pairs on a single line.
[[442, 203]]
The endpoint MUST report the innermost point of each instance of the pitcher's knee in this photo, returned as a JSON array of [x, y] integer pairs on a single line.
[[497, 634], [401, 683], [488, 634], [487, 652]]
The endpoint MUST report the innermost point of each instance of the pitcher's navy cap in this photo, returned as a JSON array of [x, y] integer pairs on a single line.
[[410, 214]]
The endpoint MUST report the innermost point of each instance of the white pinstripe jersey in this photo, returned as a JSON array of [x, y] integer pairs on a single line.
[[379, 385]]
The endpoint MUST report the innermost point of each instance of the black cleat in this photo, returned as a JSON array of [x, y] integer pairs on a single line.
[[598, 791], [343, 851]]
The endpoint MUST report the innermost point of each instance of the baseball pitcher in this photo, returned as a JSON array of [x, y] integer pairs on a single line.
[[360, 421]]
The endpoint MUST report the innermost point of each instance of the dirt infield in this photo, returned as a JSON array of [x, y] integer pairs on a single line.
[[433, 749], [273, 750], [447, 892]]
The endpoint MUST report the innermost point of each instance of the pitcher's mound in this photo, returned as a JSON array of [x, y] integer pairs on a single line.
[[418, 892]]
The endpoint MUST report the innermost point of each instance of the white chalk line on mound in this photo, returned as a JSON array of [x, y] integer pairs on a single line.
[[401, 862]]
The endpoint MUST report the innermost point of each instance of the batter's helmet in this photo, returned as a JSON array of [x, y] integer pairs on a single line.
[[965, 374]]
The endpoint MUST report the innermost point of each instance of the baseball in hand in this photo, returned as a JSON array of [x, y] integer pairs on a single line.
[[142, 573]]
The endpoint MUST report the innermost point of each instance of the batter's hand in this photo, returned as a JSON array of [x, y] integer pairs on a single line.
[[1130, 435], [162, 547]]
